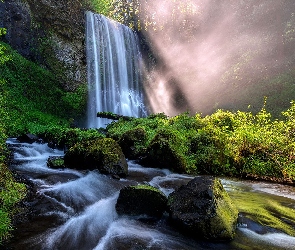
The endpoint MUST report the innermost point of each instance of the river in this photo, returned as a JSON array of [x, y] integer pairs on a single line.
[[76, 209]]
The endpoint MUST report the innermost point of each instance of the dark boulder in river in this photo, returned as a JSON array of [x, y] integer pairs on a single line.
[[141, 200], [203, 209], [104, 155], [28, 138]]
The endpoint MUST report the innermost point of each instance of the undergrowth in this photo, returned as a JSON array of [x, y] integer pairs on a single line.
[[11, 192], [225, 143], [35, 98]]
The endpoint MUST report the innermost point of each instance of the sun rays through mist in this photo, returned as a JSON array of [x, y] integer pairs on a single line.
[[212, 50]]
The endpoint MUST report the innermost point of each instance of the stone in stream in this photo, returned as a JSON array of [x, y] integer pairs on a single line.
[[203, 209], [55, 162], [104, 155], [141, 200], [129, 139], [28, 138]]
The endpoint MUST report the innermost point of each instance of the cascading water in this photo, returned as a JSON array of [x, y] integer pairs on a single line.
[[113, 62], [76, 209]]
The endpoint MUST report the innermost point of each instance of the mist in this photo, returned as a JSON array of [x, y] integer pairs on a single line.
[[217, 53]]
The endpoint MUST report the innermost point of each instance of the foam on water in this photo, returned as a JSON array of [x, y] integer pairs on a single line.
[[82, 231], [167, 184], [83, 191], [139, 237], [134, 167], [273, 239]]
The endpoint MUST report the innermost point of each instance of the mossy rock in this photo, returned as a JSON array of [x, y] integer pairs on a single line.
[[203, 209], [141, 200], [55, 162], [130, 140], [28, 138], [166, 151], [102, 154]]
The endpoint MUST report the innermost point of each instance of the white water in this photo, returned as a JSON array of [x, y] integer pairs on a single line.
[[85, 202], [113, 62]]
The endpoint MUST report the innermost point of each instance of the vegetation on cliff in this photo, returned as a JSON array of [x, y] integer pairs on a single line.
[[227, 143], [35, 97], [11, 192]]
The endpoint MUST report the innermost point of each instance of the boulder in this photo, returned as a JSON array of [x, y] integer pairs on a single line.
[[203, 209], [141, 200], [55, 162], [130, 139], [28, 138], [104, 155], [166, 151]]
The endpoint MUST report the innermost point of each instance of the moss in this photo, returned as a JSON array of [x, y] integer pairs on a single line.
[[55, 162], [58, 162], [62, 136], [141, 199], [132, 142], [168, 150], [102, 154], [146, 187], [222, 225], [267, 211], [203, 209], [226, 213], [11, 192]]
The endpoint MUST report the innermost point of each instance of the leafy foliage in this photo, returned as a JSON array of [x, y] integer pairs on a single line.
[[11, 192], [224, 143], [67, 137], [102, 6], [35, 97], [125, 12]]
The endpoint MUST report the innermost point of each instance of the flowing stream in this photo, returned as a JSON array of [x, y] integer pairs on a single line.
[[76, 209]]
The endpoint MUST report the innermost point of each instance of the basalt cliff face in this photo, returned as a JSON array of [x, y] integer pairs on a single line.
[[49, 32]]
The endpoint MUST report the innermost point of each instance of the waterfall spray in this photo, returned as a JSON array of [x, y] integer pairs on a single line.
[[113, 62]]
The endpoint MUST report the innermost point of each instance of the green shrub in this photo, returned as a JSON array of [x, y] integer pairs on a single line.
[[224, 143], [63, 136]]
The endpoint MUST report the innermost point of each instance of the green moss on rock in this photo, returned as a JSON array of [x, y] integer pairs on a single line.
[[167, 150], [266, 209], [132, 142], [141, 200], [55, 162], [203, 209], [102, 154]]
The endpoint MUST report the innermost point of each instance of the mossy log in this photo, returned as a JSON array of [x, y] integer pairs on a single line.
[[112, 116]]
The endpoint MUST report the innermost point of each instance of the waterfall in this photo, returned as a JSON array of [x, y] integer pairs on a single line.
[[113, 64]]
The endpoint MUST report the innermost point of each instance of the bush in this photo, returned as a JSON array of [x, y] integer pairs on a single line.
[[225, 143], [67, 137]]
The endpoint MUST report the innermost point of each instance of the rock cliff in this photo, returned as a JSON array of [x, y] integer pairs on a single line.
[[50, 32]]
